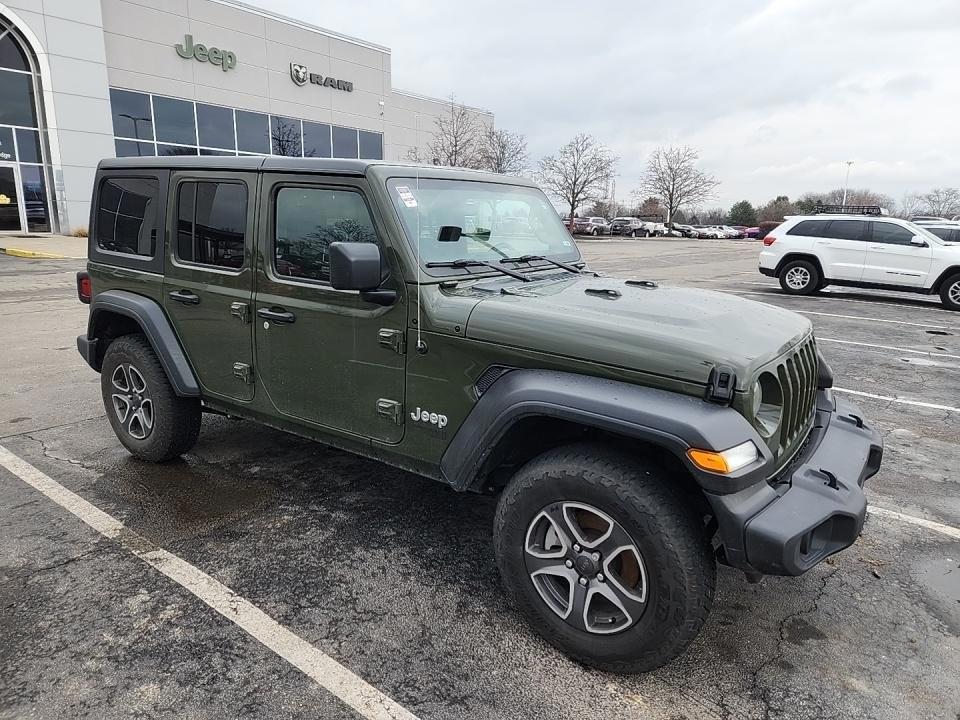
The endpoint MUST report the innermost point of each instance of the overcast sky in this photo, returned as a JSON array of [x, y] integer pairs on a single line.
[[775, 94]]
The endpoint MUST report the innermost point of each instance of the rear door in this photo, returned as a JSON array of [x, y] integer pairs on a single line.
[[325, 356], [842, 249], [208, 285], [892, 259]]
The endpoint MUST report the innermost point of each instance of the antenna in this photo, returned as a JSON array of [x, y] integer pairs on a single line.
[[420, 346]]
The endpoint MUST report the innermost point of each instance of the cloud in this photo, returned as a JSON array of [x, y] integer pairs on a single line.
[[775, 94]]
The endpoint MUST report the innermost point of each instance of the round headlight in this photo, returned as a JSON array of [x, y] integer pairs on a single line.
[[768, 404]]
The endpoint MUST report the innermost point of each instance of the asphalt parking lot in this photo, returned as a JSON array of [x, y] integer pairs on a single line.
[[393, 576]]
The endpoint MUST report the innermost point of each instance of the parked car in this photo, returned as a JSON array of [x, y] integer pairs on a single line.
[[623, 474], [634, 227], [688, 231], [809, 252], [593, 226], [925, 219], [947, 231], [709, 231], [751, 232]]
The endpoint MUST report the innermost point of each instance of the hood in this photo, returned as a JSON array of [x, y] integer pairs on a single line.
[[673, 332]]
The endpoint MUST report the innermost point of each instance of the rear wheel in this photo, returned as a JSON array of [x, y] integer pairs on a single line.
[[633, 233], [799, 277], [604, 558], [950, 292], [595, 232], [148, 417]]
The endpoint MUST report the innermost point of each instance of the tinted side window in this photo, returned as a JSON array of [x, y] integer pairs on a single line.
[[809, 228], [211, 219], [126, 215], [891, 234], [308, 220], [845, 229], [939, 232]]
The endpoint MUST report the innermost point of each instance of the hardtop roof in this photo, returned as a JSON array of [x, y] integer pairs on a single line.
[[332, 166]]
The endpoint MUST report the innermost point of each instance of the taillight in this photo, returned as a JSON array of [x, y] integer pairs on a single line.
[[769, 240], [84, 287]]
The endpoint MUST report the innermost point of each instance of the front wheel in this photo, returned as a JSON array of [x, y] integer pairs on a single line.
[[604, 557], [148, 417], [799, 277], [595, 232], [633, 233], [950, 292]]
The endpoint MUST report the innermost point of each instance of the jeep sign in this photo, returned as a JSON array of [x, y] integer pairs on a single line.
[[301, 76], [224, 58]]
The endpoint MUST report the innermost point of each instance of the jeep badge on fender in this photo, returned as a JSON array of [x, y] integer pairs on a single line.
[[629, 458]]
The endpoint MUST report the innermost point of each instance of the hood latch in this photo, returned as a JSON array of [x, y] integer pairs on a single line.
[[721, 385]]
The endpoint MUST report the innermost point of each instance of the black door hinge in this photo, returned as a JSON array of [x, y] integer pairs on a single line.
[[721, 385], [392, 339], [244, 372], [241, 311], [390, 409]]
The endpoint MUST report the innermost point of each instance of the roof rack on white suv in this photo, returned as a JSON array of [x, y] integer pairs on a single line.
[[861, 249]]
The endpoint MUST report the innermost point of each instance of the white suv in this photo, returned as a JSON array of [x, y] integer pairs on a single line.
[[808, 252]]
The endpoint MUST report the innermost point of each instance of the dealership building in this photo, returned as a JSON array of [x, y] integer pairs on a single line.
[[81, 80]]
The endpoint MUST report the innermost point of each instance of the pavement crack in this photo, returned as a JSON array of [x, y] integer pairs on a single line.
[[47, 568], [48, 454]]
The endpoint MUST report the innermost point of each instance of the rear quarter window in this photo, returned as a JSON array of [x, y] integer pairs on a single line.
[[809, 228], [127, 216]]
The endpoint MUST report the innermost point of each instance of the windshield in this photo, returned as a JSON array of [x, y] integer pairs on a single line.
[[497, 221]]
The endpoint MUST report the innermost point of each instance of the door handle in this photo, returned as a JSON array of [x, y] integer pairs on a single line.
[[277, 315], [186, 297]]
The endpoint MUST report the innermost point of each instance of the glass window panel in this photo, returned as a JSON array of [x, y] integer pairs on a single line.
[[211, 222], [132, 117], [890, 234], [809, 228], [207, 151], [16, 99], [11, 54], [308, 220], [131, 148], [846, 229], [28, 145], [175, 150], [253, 132], [943, 233], [285, 137], [35, 198], [126, 215], [316, 140], [8, 152], [215, 126], [10, 206], [344, 142], [174, 121], [371, 145]]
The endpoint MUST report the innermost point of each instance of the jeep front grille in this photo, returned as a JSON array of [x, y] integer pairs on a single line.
[[797, 373]]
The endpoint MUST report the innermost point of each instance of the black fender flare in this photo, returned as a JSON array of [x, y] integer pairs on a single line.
[[673, 421], [151, 318]]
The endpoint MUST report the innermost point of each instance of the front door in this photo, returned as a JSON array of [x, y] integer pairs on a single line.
[[12, 216], [325, 356], [893, 259], [208, 284], [842, 249]]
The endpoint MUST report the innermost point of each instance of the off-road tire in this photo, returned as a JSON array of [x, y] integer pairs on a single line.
[[642, 498], [176, 420], [797, 269], [950, 292]]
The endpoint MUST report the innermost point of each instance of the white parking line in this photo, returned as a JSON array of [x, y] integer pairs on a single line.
[[922, 522], [889, 347], [932, 305], [901, 401], [847, 317], [321, 668]]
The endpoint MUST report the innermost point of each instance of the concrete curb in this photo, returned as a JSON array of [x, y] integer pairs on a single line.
[[17, 252]]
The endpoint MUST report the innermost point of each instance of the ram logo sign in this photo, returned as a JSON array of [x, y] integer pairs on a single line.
[[301, 76]]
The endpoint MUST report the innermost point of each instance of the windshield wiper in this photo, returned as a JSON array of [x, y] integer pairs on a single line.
[[528, 258], [463, 263]]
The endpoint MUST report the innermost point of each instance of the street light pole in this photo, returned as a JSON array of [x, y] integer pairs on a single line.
[[846, 183]]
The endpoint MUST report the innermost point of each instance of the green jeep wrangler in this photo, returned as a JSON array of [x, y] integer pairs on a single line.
[[443, 321]]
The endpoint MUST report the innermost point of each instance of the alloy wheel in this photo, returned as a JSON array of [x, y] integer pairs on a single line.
[[954, 293], [586, 568], [797, 278], [131, 401]]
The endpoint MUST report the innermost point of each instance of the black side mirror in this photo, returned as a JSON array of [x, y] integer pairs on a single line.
[[354, 265], [449, 233]]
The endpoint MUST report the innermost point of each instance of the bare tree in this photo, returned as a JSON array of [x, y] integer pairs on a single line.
[[910, 205], [942, 202], [579, 173], [855, 196], [456, 142], [502, 151], [776, 210], [672, 176]]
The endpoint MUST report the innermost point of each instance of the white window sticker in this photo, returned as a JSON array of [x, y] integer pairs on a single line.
[[406, 196]]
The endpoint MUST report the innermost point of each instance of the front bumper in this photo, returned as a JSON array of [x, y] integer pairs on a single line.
[[812, 510]]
